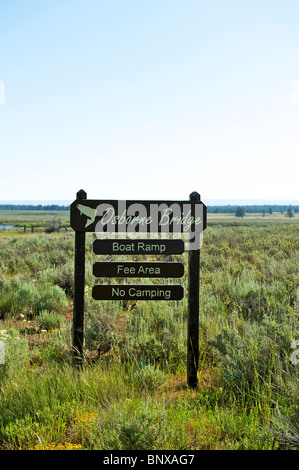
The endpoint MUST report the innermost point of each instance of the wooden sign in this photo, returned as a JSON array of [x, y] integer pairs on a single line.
[[137, 292], [141, 269], [143, 217], [138, 247], [89, 215]]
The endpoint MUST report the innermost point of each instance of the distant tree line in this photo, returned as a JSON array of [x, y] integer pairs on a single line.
[[30, 207], [267, 208]]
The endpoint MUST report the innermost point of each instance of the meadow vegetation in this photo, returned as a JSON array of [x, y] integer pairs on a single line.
[[131, 391]]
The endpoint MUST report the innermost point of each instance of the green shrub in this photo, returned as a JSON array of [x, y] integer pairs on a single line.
[[16, 352], [20, 433], [49, 320], [156, 334], [131, 425], [27, 297], [19, 296], [62, 276], [147, 376], [252, 351], [286, 415], [52, 298], [9, 301], [101, 331]]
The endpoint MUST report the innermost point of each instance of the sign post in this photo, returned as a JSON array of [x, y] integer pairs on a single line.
[[142, 219], [193, 311], [79, 285]]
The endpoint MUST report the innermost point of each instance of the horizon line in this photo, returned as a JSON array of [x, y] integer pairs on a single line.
[[212, 202]]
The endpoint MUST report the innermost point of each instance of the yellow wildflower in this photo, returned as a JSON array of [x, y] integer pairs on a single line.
[[85, 418], [57, 446]]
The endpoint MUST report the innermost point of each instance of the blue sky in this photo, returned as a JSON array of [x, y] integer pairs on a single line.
[[149, 99]]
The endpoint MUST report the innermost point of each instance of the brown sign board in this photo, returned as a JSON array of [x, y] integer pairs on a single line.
[[137, 292], [140, 269], [138, 247], [90, 215]]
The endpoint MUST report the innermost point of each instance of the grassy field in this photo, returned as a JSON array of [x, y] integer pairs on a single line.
[[131, 392], [40, 220], [250, 219]]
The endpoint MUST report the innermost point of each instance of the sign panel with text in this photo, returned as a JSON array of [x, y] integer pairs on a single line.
[[137, 292], [138, 269], [139, 218], [138, 247]]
